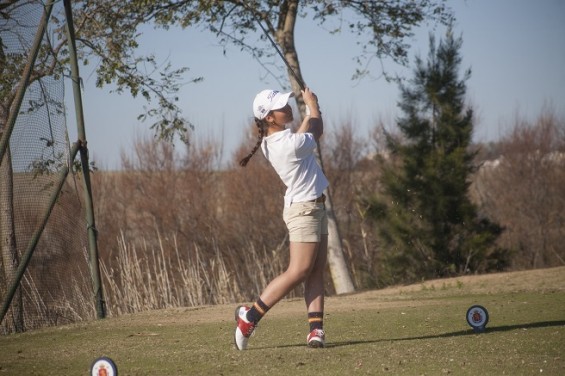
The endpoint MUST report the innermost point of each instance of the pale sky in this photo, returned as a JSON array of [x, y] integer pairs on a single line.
[[515, 49]]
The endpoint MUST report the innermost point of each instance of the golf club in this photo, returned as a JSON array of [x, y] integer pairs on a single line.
[[298, 79]]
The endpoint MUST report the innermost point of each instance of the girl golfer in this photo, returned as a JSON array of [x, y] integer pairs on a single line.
[[292, 156]]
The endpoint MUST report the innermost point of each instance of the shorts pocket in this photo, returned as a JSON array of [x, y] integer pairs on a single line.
[[307, 213]]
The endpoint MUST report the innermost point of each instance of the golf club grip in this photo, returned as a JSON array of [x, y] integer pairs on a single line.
[[300, 82]]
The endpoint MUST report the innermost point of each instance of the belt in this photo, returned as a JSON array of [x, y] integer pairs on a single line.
[[320, 199]]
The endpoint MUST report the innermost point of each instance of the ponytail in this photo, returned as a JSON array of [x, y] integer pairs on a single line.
[[262, 125]]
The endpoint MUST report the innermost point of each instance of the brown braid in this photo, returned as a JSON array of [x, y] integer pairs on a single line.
[[262, 125]]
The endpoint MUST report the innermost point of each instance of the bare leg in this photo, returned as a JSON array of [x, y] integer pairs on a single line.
[[303, 258], [314, 283]]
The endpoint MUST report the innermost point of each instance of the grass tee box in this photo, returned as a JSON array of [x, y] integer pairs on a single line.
[[411, 330]]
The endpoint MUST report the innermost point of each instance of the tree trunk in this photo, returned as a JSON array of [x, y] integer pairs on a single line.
[[8, 248], [285, 38], [10, 257], [338, 268]]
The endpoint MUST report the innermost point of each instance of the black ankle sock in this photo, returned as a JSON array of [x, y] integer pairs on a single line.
[[257, 312], [316, 320]]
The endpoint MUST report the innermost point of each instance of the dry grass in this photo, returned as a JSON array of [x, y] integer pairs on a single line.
[[145, 278]]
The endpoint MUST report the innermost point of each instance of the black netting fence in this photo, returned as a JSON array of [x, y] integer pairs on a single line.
[[56, 287]]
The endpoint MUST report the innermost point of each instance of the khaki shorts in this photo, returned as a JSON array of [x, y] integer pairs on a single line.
[[306, 221]]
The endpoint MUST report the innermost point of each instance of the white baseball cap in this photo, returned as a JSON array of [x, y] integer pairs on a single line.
[[269, 100]]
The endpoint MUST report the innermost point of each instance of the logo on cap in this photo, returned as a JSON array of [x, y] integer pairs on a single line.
[[272, 95]]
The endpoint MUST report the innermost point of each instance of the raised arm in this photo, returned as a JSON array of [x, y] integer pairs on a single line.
[[312, 123]]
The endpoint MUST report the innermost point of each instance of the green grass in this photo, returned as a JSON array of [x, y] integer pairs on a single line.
[[413, 330]]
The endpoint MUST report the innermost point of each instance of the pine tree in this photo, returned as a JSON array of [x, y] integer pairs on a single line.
[[429, 226]]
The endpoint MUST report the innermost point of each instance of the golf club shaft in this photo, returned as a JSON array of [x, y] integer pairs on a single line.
[[298, 79]]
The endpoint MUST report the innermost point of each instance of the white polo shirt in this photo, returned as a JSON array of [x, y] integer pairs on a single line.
[[292, 155]]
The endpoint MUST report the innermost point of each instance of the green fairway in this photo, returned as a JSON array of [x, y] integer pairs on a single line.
[[412, 330]]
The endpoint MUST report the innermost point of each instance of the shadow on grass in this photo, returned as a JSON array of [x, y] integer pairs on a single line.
[[504, 328]]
